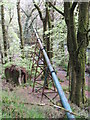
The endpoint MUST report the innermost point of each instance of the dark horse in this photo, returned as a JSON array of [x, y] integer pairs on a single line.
[[16, 74]]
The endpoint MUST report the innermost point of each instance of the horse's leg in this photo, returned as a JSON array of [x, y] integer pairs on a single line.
[[20, 77]]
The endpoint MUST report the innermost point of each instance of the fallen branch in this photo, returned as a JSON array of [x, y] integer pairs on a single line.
[[53, 105], [43, 104]]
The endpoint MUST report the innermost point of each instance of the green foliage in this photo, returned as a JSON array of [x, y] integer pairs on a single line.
[[7, 3], [1, 69], [8, 64], [61, 80], [3, 76], [87, 88], [88, 54], [65, 88], [59, 41], [12, 108]]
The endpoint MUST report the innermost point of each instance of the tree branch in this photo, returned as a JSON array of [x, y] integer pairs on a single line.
[[56, 9], [39, 11], [24, 12], [32, 21], [28, 16], [88, 31], [73, 6]]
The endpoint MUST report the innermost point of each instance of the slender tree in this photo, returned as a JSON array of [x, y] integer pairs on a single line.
[[4, 33], [51, 23], [1, 55], [46, 26], [20, 28], [45, 20], [82, 42]]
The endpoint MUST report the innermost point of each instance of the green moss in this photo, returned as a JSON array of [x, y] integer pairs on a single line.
[[87, 88]]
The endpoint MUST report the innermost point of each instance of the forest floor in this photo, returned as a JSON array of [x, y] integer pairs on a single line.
[[33, 99]]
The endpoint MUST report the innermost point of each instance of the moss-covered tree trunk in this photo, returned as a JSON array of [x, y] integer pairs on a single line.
[[20, 28], [81, 52], [77, 44], [4, 33], [72, 45], [51, 26], [48, 28], [77, 48]]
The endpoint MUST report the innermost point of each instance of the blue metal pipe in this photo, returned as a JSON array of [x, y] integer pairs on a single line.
[[56, 81]]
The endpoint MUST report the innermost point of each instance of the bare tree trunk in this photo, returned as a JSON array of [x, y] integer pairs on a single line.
[[1, 54], [20, 28], [4, 33]]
